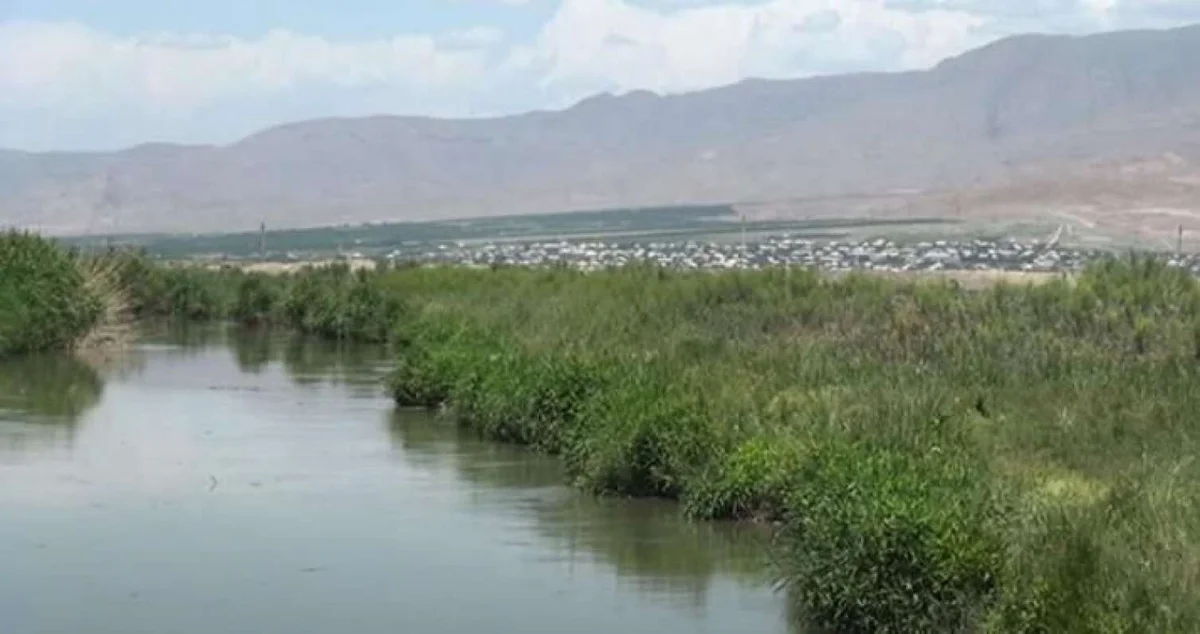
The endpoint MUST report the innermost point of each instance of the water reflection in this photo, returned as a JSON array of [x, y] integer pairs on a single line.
[[215, 449], [306, 361], [644, 541], [254, 349], [182, 338], [48, 388], [42, 399]]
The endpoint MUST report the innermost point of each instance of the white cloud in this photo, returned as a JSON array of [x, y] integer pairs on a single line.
[[69, 65], [596, 45], [65, 84], [477, 36], [615, 42]]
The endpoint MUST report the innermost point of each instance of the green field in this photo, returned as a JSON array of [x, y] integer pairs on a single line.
[[674, 224]]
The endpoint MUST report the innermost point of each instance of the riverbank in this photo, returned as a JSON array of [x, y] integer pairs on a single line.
[[1014, 459]]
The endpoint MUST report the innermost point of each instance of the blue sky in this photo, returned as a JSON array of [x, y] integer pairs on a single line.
[[247, 18], [99, 74]]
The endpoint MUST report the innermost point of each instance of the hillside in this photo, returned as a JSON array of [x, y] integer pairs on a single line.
[[1017, 110]]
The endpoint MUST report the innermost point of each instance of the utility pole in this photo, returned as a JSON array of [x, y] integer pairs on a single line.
[[1179, 242], [262, 241]]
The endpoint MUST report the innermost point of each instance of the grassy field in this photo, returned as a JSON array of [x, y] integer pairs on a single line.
[[48, 300], [934, 458], [382, 237], [1013, 459]]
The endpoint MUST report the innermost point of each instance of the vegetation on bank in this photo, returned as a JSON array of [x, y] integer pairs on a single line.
[[334, 302], [46, 299], [1015, 460], [1018, 459]]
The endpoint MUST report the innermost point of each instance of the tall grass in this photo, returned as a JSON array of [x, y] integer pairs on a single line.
[[45, 300], [1014, 459], [330, 301]]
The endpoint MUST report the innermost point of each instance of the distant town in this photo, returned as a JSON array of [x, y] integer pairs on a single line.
[[686, 237], [878, 255]]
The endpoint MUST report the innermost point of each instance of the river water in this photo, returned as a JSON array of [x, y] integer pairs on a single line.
[[213, 480]]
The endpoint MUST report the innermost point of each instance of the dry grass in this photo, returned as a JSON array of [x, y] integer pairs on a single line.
[[971, 280], [102, 280], [985, 279], [284, 268]]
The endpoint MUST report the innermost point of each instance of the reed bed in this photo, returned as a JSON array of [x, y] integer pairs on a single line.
[[1014, 459], [45, 299]]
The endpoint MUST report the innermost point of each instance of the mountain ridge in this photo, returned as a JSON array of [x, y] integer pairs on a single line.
[[1027, 104]]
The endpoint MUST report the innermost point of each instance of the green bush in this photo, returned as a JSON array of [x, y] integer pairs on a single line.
[[44, 300], [436, 353], [183, 292], [751, 482], [529, 399], [645, 434], [338, 303], [884, 541], [144, 282], [329, 301], [420, 381], [257, 300], [193, 294]]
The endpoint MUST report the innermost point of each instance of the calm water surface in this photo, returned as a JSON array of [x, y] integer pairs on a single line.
[[219, 481]]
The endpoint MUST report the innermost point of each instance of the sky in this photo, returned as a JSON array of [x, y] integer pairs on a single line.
[[104, 74]]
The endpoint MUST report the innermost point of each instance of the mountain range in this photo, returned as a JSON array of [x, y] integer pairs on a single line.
[[999, 121]]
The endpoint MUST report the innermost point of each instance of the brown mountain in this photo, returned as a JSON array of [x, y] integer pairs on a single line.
[[1009, 113]]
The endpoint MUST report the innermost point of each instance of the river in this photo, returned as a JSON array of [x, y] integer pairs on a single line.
[[215, 480]]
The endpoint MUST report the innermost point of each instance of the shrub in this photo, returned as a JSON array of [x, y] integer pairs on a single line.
[[882, 541], [44, 302], [257, 300], [530, 399], [645, 434], [338, 303], [431, 360], [750, 482]]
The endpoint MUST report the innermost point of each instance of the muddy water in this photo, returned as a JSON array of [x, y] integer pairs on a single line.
[[218, 481]]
